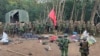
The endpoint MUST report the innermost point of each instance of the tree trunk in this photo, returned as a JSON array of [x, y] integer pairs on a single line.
[[76, 15], [72, 11], [59, 9], [62, 10], [94, 11], [83, 10]]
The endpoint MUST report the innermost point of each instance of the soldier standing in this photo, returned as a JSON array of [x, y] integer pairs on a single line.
[[76, 26], [79, 26], [67, 28], [71, 26], [21, 29], [1, 29], [84, 47], [92, 29], [98, 28], [63, 43], [83, 26], [16, 27], [88, 26]]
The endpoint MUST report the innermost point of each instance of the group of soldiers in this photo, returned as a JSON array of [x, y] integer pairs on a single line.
[[18, 28], [63, 43], [78, 26], [40, 28]]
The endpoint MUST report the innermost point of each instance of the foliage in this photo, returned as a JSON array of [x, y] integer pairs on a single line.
[[41, 10]]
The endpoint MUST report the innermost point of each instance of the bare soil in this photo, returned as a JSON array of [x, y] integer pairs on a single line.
[[34, 48]]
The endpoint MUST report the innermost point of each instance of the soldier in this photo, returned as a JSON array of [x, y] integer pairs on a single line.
[[92, 29], [71, 26], [79, 26], [67, 28], [98, 28], [26, 27], [1, 29], [84, 47], [63, 44], [21, 29], [47, 27], [76, 26], [16, 27], [88, 26], [83, 26]]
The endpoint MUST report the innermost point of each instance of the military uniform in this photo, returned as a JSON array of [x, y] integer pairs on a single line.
[[71, 26], [21, 29], [1, 29], [88, 26], [84, 48], [92, 29], [79, 27], [63, 44], [98, 28], [83, 26], [67, 28]]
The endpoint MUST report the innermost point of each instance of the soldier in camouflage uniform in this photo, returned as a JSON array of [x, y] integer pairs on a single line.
[[79, 26], [71, 26], [6, 28], [88, 26], [92, 29], [63, 43], [76, 26], [34, 27], [16, 27], [12, 29], [67, 28], [26, 28], [62, 26], [21, 29], [84, 47], [83, 26], [1, 30], [98, 28]]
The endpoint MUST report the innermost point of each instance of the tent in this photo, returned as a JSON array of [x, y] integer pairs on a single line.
[[17, 15]]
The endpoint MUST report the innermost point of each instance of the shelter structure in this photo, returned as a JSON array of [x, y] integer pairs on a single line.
[[17, 15]]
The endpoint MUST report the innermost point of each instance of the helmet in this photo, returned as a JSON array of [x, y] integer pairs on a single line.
[[84, 39], [65, 35]]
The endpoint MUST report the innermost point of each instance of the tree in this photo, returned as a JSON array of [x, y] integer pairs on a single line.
[[96, 2]]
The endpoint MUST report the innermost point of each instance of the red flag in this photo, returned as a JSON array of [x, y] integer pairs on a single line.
[[52, 15]]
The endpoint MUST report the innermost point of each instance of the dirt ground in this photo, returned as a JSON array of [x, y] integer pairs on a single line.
[[22, 47]]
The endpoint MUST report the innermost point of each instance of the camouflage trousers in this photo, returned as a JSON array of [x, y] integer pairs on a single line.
[[84, 54], [64, 52]]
